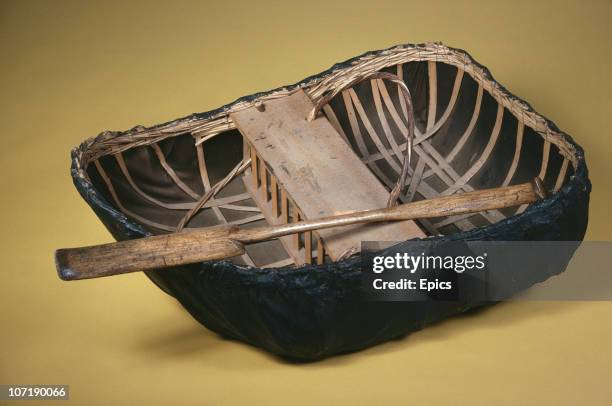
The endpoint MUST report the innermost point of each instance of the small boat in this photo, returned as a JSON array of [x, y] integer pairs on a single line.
[[387, 129]]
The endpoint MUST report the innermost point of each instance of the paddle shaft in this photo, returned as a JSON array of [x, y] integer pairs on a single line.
[[225, 241]]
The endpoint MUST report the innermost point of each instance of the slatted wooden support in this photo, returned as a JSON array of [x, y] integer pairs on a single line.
[[319, 175], [278, 209]]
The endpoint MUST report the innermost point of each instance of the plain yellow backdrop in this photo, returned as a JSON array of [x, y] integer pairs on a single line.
[[70, 69]]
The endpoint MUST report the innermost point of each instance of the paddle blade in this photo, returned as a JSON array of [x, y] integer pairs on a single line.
[[144, 254]]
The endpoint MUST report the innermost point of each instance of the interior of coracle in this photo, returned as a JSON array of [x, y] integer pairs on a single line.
[[466, 139]]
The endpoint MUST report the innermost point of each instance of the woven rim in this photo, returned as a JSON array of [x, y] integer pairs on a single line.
[[206, 125]]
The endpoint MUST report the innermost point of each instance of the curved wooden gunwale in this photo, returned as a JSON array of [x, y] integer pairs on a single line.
[[434, 173]]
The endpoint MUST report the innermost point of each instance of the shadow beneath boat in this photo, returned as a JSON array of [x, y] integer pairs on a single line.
[[497, 315], [202, 345]]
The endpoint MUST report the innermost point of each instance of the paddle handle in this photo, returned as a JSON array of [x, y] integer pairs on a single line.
[[453, 205], [220, 242]]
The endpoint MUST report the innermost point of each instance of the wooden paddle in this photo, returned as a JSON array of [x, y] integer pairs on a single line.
[[225, 241]]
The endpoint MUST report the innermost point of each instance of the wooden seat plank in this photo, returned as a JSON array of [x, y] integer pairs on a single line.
[[319, 171]]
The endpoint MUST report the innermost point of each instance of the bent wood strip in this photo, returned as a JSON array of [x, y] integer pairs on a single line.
[[348, 104], [437, 169], [455, 181], [459, 183], [417, 147], [215, 204], [143, 194], [470, 128], [433, 93], [561, 176], [545, 156], [164, 163], [378, 88], [207, 186], [443, 164], [404, 94], [520, 129], [224, 241], [400, 74], [279, 264], [423, 188], [120, 206], [249, 219], [419, 138], [210, 193], [430, 131], [236, 207], [422, 137], [432, 127], [543, 168], [363, 150], [331, 116], [383, 119], [396, 189], [373, 134], [453, 219], [416, 179]]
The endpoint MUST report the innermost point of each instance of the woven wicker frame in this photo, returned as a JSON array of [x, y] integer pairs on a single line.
[[310, 311], [323, 88]]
